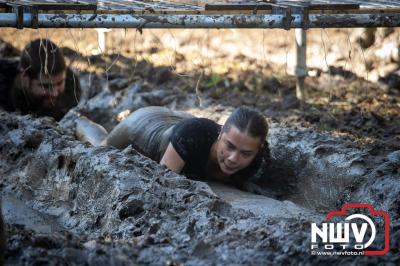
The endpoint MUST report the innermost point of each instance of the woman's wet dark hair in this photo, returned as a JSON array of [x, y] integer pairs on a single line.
[[249, 121], [41, 56]]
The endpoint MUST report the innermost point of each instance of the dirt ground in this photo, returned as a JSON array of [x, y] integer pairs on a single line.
[[348, 128], [353, 92]]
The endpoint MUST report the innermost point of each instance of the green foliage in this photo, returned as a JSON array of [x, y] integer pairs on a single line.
[[214, 81]]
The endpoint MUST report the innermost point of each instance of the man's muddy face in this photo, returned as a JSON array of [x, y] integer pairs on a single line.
[[236, 150], [47, 88]]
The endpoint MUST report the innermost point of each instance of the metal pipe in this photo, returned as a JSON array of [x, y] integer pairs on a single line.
[[202, 21], [301, 65]]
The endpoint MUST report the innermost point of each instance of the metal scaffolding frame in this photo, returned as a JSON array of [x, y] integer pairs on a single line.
[[199, 14], [285, 14]]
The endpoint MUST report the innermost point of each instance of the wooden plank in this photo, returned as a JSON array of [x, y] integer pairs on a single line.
[[382, 4], [239, 6], [142, 5], [334, 7], [204, 2], [59, 6], [162, 5], [322, 5], [364, 3], [52, 5], [387, 4]]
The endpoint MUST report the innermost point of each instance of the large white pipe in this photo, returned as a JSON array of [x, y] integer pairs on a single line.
[[202, 21]]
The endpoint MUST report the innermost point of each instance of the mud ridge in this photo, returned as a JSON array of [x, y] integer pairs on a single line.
[[118, 207]]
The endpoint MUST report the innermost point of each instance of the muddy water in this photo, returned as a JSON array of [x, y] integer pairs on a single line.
[[261, 205], [105, 206], [15, 211]]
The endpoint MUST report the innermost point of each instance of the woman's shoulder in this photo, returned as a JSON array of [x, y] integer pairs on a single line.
[[194, 136], [197, 126]]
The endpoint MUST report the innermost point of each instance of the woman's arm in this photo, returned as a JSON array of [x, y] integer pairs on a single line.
[[172, 160]]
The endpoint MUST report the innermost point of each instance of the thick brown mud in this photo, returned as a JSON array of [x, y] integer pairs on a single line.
[[67, 202], [101, 206]]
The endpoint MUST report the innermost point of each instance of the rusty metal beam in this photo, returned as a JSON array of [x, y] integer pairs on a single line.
[[200, 21]]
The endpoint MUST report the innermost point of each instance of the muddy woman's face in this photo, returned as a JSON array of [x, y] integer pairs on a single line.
[[236, 150]]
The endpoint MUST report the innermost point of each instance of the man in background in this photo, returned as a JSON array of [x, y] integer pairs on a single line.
[[40, 82]]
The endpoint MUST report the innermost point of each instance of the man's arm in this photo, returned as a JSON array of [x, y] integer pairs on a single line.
[[172, 160]]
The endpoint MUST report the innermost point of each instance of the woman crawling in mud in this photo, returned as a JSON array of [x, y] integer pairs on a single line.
[[195, 147]]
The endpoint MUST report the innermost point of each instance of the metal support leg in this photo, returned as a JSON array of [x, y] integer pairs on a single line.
[[301, 65], [102, 39]]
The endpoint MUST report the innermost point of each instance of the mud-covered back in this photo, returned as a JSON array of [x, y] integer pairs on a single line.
[[147, 130]]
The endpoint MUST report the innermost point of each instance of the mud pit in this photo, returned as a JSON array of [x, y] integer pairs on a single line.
[[66, 200]]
